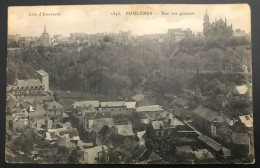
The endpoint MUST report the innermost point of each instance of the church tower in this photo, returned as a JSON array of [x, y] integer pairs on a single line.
[[206, 24]]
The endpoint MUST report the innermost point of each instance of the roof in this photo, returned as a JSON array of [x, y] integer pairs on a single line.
[[99, 123], [125, 130], [91, 153], [145, 121], [42, 72], [184, 149], [113, 104], [52, 104], [150, 108], [140, 134], [124, 145], [28, 83], [72, 132], [176, 122], [157, 124], [247, 120], [240, 138], [242, 89], [138, 97], [181, 101], [210, 142], [94, 103], [153, 158], [203, 154], [130, 104], [206, 113], [65, 115]]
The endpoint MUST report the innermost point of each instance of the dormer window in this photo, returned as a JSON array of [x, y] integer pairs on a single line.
[[40, 87], [21, 87], [31, 87], [18, 88], [27, 87], [36, 87], [54, 107]]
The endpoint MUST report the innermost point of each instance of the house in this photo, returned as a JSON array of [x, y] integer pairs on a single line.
[[142, 100], [92, 155], [19, 121], [138, 98], [215, 148], [125, 130], [130, 106], [247, 120], [242, 144], [127, 147], [154, 159], [27, 87], [163, 129], [205, 117], [116, 108], [54, 111], [86, 104], [141, 137], [204, 156]]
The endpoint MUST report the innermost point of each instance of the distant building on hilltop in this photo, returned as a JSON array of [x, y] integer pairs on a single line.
[[45, 38], [218, 28]]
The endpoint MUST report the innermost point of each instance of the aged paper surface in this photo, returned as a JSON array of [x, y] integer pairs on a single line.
[[129, 84]]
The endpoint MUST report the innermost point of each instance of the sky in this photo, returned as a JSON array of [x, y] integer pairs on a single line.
[[98, 18]]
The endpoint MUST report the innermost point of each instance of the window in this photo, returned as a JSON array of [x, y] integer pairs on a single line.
[[36, 87], [162, 133], [247, 118], [18, 88], [27, 87], [157, 133]]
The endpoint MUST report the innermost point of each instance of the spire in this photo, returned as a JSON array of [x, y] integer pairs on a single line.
[[44, 29]]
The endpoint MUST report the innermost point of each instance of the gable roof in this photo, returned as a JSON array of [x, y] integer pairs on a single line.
[[52, 104], [242, 89], [150, 108], [157, 124], [153, 158], [130, 104], [125, 130], [206, 113], [94, 103], [247, 120], [138, 97], [113, 104]]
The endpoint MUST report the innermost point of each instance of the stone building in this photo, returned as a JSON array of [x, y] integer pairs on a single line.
[[217, 29]]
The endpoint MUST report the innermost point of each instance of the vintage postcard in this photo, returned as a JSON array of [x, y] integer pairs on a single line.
[[129, 84]]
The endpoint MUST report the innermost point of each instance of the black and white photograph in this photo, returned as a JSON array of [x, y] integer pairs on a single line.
[[129, 84]]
